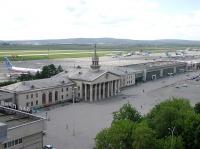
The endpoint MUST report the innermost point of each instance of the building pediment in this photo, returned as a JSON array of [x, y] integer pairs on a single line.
[[105, 77]]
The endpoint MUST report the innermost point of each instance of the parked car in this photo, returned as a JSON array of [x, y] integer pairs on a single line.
[[49, 147]]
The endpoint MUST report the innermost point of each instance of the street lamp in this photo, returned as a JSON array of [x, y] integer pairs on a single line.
[[74, 94], [172, 134]]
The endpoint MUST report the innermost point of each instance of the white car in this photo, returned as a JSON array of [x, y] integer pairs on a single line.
[[48, 147]]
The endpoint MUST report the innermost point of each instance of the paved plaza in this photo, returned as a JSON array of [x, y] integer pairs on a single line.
[[75, 126]]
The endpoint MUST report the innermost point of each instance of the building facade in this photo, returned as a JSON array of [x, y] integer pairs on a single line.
[[20, 130], [37, 93]]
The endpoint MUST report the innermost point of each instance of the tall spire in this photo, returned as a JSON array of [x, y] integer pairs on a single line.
[[95, 60], [95, 50]]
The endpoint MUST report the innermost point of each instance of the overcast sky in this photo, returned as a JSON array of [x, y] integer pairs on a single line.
[[132, 19]]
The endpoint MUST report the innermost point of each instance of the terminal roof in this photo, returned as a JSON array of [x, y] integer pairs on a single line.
[[37, 84]]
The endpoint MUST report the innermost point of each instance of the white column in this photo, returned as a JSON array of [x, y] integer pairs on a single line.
[[115, 87], [161, 73], [91, 92], [100, 91], [95, 93], [118, 86], [108, 89], [104, 88], [85, 92], [145, 75], [111, 88], [174, 70]]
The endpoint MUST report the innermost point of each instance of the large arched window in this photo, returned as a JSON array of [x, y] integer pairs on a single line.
[[50, 97], [43, 98], [56, 95]]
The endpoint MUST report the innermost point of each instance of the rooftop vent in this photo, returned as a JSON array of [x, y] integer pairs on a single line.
[[32, 86], [63, 82], [66, 71], [79, 73]]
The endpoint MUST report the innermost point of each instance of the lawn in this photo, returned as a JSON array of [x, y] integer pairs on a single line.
[[41, 54]]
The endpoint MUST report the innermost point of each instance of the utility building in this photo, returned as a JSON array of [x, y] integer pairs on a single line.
[[20, 130]]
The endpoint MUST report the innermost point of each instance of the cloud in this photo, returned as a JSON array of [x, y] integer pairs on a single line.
[[45, 19]]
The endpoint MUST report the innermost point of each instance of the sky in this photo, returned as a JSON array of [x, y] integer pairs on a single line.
[[129, 19]]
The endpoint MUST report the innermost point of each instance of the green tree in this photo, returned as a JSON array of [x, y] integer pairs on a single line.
[[102, 139], [171, 143], [173, 124], [127, 112], [118, 136], [143, 137], [191, 131], [197, 107], [168, 114]]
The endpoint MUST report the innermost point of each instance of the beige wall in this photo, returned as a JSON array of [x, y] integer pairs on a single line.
[[127, 80], [62, 91]]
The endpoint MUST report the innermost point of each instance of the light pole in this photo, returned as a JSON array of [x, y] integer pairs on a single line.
[[172, 134], [74, 99], [74, 94]]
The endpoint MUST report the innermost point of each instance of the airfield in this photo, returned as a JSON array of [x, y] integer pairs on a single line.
[[75, 126]]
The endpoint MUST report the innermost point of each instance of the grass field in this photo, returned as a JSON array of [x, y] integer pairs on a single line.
[[34, 52], [48, 54]]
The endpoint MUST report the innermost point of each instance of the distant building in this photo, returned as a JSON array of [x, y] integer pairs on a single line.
[[20, 130], [158, 69]]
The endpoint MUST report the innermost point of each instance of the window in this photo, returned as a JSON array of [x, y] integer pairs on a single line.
[[67, 89], [62, 96], [16, 142], [31, 103], [78, 87], [26, 96], [13, 143], [9, 144], [50, 97], [66, 95], [78, 94], [27, 104], [36, 95], [20, 140], [5, 145], [31, 95], [43, 98], [36, 102], [62, 89], [56, 95]]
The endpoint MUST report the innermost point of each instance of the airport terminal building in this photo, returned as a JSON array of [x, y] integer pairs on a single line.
[[86, 84], [35, 93], [159, 69]]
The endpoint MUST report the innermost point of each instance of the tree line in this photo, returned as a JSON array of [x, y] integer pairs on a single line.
[[47, 72], [172, 124]]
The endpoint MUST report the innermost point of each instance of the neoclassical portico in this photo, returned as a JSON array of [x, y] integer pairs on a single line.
[[95, 83], [100, 90]]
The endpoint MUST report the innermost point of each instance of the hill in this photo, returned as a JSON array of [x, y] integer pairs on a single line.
[[106, 41]]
